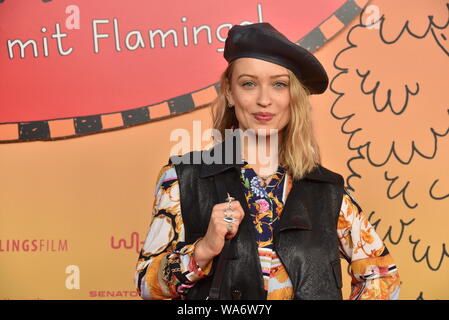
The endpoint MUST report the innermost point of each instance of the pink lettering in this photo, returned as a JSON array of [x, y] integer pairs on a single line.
[[25, 246], [15, 245], [63, 246], [34, 243]]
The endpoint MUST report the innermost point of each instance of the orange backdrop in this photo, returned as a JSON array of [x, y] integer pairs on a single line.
[[74, 211]]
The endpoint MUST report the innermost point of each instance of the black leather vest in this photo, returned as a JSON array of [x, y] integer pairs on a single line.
[[305, 238]]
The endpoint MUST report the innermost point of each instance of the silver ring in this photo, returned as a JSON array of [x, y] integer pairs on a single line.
[[225, 212], [229, 220], [230, 199]]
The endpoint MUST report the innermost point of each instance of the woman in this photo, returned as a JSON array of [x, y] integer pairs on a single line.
[[239, 229]]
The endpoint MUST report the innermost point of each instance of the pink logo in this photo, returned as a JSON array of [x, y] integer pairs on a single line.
[[33, 245], [115, 294], [133, 242]]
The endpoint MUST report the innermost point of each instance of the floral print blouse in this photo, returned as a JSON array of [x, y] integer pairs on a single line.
[[166, 266]]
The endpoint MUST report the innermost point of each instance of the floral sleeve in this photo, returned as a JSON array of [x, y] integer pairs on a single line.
[[373, 272], [166, 267]]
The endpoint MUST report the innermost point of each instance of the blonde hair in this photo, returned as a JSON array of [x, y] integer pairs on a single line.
[[298, 150]]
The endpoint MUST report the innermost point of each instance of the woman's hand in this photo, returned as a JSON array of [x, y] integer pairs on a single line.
[[212, 243]]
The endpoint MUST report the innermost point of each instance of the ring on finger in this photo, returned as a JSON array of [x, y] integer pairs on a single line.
[[229, 220], [230, 199], [226, 214]]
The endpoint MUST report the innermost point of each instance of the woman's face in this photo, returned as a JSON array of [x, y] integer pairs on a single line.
[[260, 94]]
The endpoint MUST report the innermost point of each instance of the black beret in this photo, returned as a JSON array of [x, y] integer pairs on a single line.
[[263, 41]]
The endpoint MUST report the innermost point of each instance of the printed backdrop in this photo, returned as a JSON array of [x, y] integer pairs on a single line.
[[91, 93]]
